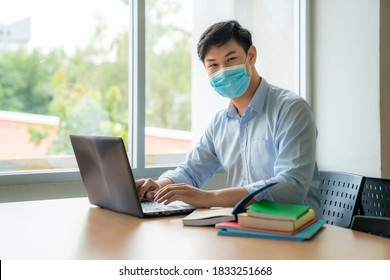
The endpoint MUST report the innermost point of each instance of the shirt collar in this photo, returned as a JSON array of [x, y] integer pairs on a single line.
[[257, 102]]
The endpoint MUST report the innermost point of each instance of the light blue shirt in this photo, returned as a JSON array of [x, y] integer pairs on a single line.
[[274, 141]]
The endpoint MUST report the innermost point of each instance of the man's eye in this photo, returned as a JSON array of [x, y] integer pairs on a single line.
[[230, 59], [213, 65]]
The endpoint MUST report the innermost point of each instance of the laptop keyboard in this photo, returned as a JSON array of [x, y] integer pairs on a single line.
[[174, 207], [155, 206]]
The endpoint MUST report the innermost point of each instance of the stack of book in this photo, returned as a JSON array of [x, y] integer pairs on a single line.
[[271, 219]]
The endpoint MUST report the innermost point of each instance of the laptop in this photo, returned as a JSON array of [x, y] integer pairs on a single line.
[[109, 181]]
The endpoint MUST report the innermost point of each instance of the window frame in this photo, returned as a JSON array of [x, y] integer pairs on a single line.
[[137, 101]]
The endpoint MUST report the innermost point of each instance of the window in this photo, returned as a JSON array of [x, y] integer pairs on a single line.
[[79, 67], [64, 69]]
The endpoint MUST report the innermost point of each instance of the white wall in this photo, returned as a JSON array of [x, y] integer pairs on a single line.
[[345, 85]]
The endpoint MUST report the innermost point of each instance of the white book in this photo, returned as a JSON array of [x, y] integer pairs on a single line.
[[209, 216]]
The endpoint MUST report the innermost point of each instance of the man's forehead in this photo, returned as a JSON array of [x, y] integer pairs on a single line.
[[230, 48]]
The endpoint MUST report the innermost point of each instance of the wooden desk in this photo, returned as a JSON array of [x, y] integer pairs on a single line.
[[73, 229]]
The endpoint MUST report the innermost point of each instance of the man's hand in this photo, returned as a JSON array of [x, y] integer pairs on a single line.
[[165, 191], [147, 188], [186, 193]]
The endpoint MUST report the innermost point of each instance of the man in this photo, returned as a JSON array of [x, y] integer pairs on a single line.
[[266, 135]]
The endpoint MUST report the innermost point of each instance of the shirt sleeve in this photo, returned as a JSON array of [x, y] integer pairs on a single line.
[[202, 163]]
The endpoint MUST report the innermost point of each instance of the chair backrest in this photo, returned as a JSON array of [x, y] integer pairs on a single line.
[[375, 199], [372, 224], [340, 193]]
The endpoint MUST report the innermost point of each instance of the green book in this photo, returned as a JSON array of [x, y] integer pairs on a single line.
[[276, 210]]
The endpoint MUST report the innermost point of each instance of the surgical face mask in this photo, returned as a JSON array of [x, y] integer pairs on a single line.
[[230, 82]]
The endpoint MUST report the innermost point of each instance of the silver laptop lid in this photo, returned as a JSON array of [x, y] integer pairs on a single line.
[[106, 173], [109, 181]]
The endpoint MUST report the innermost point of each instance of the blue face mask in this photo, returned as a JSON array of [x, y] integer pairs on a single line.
[[230, 82]]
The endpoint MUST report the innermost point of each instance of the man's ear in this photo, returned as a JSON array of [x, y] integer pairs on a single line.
[[252, 54]]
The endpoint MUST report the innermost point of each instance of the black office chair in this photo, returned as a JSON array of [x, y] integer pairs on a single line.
[[372, 224], [374, 208], [375, 198], [340, 193]]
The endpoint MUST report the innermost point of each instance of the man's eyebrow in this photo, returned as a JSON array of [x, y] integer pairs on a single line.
[[226, 55], [230, 53]]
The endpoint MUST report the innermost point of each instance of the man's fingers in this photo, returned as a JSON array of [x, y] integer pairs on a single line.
[[150, 195], [147, 189], [170, 194], [139, 182]]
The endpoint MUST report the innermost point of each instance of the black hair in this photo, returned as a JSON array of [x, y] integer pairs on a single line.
[[220, 33]]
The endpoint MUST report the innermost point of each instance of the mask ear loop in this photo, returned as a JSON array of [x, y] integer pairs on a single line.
[[240, 206], [246, 60]]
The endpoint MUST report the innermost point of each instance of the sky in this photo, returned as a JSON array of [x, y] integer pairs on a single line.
[[68, 24]]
